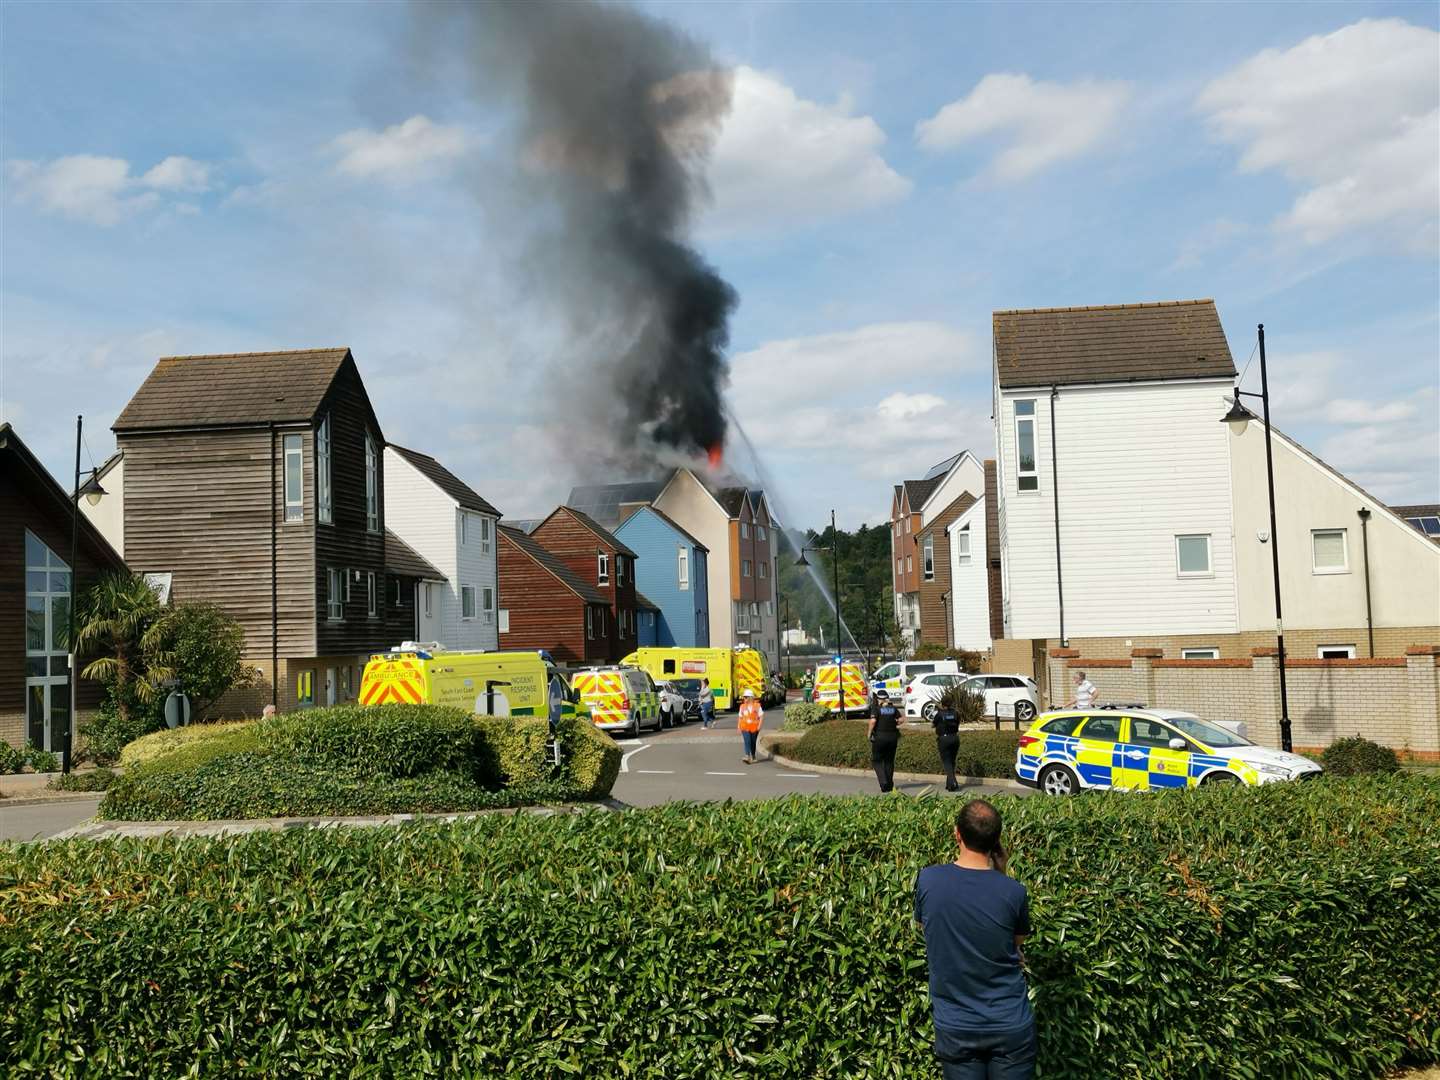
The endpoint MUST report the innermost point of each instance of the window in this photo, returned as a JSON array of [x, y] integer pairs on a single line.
[[962, 546], [744, 531], [484, 536], [487, 604], [744, 567], [764, 570], [1200, 654], [1336, 652], [372, 485], [909, 564], [1329, 552], [602, 561], [759, 532], [683, 568], [429, 607], [322, 472], [1027, 479], [770, 607], [1150, 733], [589, 623], [1101, 729], [1064, 725], [1192, 555], [394, 591], [294, 478], [335, 595], [619, 569], [467, 601], [928, 563], [899, 567], [47, 664], [345, 681], [372, 594], [305, 689], [504, 620], [908, 523], [464, 528], [345, 577]]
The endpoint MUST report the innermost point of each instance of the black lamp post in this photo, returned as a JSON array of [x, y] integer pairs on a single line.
[[834, 548], [1237, 418], [785, 639], [93, 493]]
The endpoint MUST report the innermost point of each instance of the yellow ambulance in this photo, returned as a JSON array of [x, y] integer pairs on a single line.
[[731, 671], [829, 679], [484, 683]]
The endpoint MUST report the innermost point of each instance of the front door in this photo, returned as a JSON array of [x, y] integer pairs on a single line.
[[331, 679], [47, 665]]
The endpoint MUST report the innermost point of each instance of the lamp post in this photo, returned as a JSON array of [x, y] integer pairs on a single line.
[[834, 548], [1237, 418], [93, 492], [785, 640]]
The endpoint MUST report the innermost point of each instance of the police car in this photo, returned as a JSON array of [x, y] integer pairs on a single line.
[[1138, 749]]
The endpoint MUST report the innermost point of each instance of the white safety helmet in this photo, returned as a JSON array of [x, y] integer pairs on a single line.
[[749, 693]]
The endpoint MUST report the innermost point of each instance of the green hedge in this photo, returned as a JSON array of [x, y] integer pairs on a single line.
[[1356, 756], [844, 743], [1284, 931], [89, 780], [592, 759], [149, 747], [803, 715]]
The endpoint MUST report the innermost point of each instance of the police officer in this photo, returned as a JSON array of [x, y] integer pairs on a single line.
[[947, 741], [884, 730]]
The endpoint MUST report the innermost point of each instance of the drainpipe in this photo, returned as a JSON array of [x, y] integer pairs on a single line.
[[274, 583], [1055, 492], [1364, 515]]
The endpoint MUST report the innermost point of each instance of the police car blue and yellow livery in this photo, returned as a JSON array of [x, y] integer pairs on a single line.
[[1136, 749]]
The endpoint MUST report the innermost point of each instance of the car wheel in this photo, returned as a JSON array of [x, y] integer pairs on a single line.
[[1024, 710], [1058, 780], [1221, 778], [929, 711], [634, 725]]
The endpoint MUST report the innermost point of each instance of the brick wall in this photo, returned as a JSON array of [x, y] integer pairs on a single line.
[[1301, 644]]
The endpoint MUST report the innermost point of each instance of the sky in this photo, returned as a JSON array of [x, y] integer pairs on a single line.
[[241, 177]]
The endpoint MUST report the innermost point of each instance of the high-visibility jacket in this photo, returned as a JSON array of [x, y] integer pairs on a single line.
[[751, 715]]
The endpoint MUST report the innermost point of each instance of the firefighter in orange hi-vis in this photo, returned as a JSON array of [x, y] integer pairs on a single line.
[[751, 716]]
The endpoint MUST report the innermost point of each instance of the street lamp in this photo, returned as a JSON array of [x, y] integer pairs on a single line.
[[93, 493], [834, 548], [1237, 418]]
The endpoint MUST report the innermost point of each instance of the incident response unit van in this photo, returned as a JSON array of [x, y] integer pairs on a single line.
[[829, 679], [485, 683], [731, 671]]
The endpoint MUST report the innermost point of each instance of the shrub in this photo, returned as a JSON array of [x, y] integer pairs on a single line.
[[378, 740], [1225, 948], [928, 650], [1355, 756], [591, 759], [149, 747], [967, 705], [41, 760], [11, 759], [800, 715], [513, 750], [843, 743], [203, 647], [90, 780], [110, 730]]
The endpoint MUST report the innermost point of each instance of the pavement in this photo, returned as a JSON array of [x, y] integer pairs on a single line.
[[33, 821]]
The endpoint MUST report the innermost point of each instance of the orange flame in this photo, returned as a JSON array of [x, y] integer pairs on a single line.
[[717, 456]]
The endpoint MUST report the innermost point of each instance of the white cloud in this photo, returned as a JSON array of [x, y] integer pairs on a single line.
[[402, 153], [781, 158], [101, 190], [1352, 118], [178, 174], [1044, 122], [901, 406]]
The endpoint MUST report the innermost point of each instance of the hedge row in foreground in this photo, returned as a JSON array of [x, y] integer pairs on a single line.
[[845, 744], [1285, 931], [351, 760]]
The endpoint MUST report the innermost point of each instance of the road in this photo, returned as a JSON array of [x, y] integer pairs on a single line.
[[45, 818]]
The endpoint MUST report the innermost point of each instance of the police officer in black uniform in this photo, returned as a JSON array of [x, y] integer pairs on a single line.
[[884, 737], [947, 742]]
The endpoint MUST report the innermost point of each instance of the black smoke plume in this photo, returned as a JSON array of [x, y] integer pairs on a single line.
[[614, 116]]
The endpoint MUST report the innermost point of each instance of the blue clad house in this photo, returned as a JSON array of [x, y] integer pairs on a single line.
[[671, 570]]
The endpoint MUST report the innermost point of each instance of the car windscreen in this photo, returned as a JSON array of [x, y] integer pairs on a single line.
[[1206, 732], [686, 686]]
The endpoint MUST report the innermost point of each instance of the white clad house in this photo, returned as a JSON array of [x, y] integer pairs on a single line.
[[451, 527]]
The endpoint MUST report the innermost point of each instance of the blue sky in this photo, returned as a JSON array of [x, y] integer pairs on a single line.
[[224, 178]]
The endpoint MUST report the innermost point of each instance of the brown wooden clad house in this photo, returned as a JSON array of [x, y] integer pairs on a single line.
[[255, 480], [935, 586], [600, 560], [547, 605], [35, 594], [751, 560]]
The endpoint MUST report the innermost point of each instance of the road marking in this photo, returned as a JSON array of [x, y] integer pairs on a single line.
[[726, 774], [656, 772], [625, 758], [802, 775]]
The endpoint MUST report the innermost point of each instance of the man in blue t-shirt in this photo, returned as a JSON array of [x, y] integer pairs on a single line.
[[975, 920]]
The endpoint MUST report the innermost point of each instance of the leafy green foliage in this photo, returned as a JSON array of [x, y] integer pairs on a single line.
[[89, 780], [591, 761], [845, 744], [801, 715], [929, 650], [41, 760], [110, 729], [11, 759], [866, 597], [202, 647], [1355, 756], [151, 746], [967, 705], [1288, 930]]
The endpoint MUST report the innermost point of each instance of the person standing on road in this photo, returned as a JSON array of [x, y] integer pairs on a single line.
[[884, 730], [751, 717], [975, 921], [1084, 693], [707, 705], [947, 742]]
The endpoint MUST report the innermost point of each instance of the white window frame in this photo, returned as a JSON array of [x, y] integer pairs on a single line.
[[347, 574], [335, 594], [1027, 481], [372, 598], [1208, 652], [1209, 571], [744, 567], [293, 446], [962, 546], [683, 567], [909, 564], [908, 523], [324, 500], [1348, 650], [769, 607], [1344, 567], [927, 561], [395, 587], [467, 592], [487, 604], [744, 531], [763, 567], [589, 623], [619, 569], [429, 600], [484, 535], [602, 567], [759, 532], [372, 485], [502, 619]]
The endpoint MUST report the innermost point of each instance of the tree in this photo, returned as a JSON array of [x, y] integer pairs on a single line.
[[113, 619], [201, 647], [969, 661]]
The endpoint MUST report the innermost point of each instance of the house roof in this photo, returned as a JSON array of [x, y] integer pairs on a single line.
[[601, 533], [402, 559], [525, 525], [31, 475], [1176, 339], [920, 490], [641, 601], [1412, 515], [602, 502], [228, 389], [668, 520], [567, 577], [445, 480], [731, 499]]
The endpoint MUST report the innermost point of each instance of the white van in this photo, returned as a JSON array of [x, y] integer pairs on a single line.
[[896, 675]]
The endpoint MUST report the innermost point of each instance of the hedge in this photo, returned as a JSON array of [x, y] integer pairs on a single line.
[[844, 743], [89, 780], [151, 746], [803, 715], [351, 760], [1356, 755], [1288, 930]]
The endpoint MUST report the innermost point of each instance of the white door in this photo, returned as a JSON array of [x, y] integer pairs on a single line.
[[428, 598], [331, 680]]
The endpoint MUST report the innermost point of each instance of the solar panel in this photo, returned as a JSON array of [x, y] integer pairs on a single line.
[[603, 501], [942, 468], [1430, 526]]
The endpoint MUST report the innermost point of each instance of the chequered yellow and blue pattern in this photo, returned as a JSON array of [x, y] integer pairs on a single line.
[[1118, 764]]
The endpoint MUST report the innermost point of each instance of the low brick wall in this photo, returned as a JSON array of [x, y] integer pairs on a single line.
[[1393, 700]]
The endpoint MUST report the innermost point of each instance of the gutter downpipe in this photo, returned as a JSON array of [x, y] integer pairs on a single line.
[[1055, 493], [274, 584], [1364, 515]]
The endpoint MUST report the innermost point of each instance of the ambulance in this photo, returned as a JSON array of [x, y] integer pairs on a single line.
[[829, 679], [619, 698], [484, 683], [731, 671]]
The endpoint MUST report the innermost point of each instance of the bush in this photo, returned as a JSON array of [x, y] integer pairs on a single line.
[[928, 650], [513, 750], [90, 780], [800, 716], [149, 747], [967, 705], [11, 759], [41, 760], [107, 733], [591, 759], [1225, 948], [203, 647], [1356, 756], [844, 744], [378, 740]]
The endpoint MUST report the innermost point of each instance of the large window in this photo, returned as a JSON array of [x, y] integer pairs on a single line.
[[1329, 552], [487, 605], [744, 567], [47, 667], [759, 532], [1026, 477], [335, 595], [372, 485], [962, 546], [682, 567], [602, 567], [764, 569], [484, 536], [372, 595], [294, 478], [744, 531], [323, 511], [929, 558], [467, 601], [1192, 555]]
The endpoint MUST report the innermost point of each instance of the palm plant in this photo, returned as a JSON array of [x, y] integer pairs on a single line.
[[967, 705], [114, 618]]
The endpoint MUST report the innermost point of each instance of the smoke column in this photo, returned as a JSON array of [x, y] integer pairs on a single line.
[[614, 117]]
